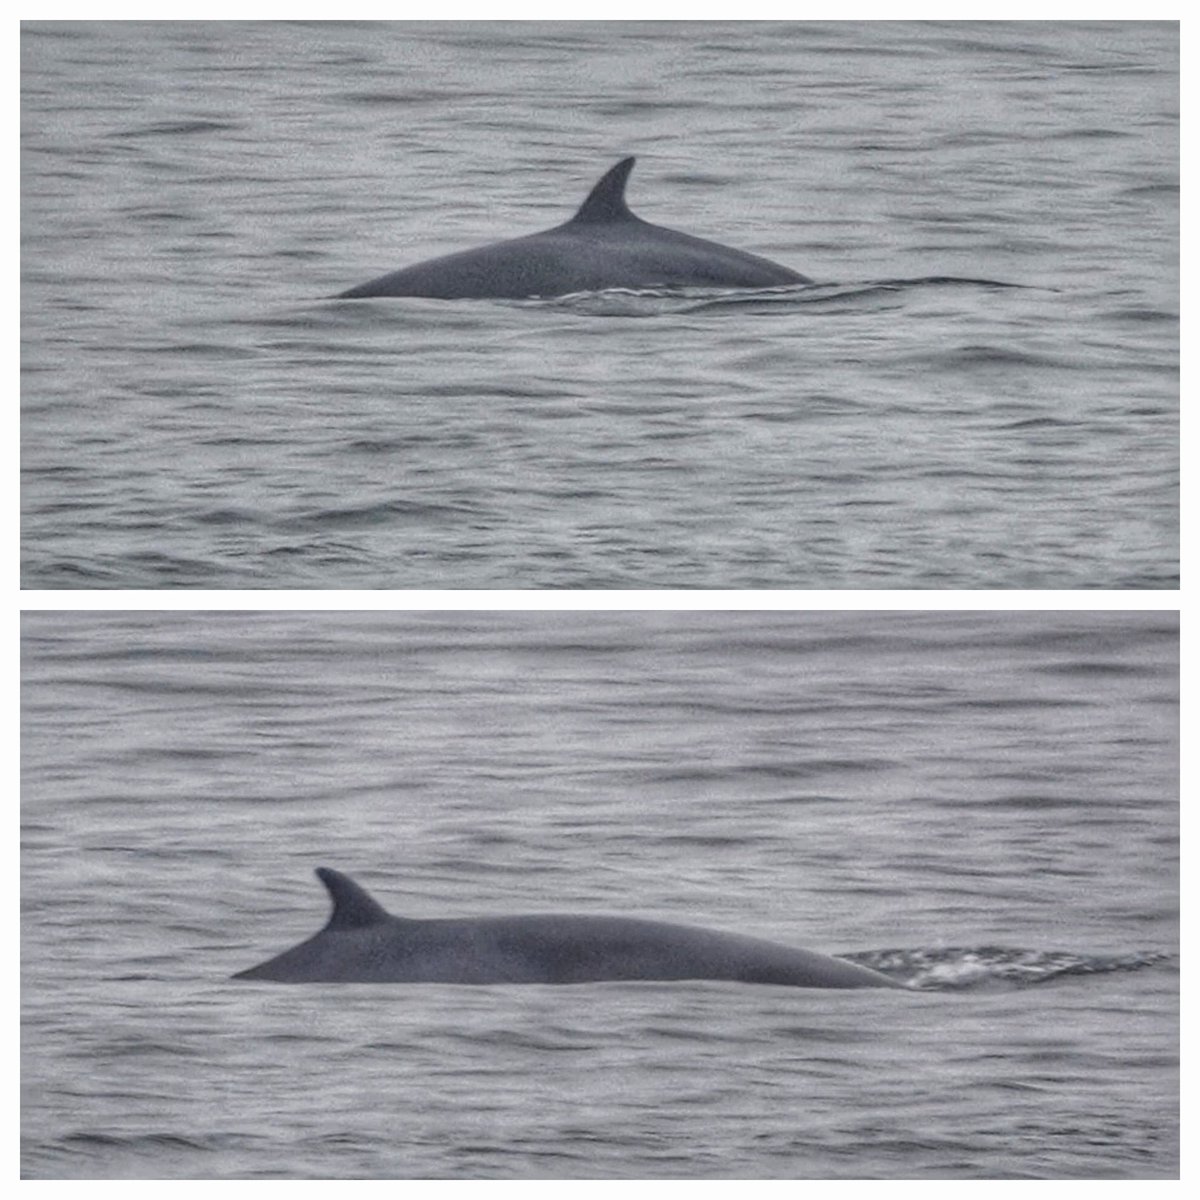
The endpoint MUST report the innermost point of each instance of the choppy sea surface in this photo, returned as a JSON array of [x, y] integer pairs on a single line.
[[985, 805], [980, 392]]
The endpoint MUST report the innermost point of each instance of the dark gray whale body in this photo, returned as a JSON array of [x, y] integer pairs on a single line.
[[602, 246], [362, 943]]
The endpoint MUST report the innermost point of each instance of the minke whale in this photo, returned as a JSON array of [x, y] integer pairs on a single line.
[[602, 246], [363, 943]]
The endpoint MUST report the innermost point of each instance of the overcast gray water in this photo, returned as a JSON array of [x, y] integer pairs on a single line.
[[983, 804], [196, 413]]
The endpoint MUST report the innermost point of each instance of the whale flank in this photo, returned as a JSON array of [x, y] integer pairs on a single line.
[[363, 943], [604, 245]]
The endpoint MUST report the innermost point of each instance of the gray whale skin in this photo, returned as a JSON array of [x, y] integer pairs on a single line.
[[362, 943], [602, 246]]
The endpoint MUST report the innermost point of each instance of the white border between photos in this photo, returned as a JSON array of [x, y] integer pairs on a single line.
[[596, 600]]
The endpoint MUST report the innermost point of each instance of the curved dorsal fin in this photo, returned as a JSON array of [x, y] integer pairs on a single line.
[[606, 201], [352, 907]]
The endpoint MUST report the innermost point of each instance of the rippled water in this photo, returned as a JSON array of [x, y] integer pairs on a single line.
[[197, 414], [984, 804]]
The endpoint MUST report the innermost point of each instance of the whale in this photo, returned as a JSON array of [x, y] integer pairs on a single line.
[[602, 246], [364, 943]]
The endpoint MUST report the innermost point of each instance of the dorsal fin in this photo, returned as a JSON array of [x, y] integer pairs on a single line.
[[352, 907], [606, 201]]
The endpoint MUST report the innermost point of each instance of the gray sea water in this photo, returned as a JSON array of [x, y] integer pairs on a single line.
[[984, 804], [196, 413]]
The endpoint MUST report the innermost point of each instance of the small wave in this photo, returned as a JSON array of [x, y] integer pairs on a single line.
[[982, 355], [957, 968], [382, 513], [175, 128], [660, 301], [96, 1154], [86, 1139], [666, 301]]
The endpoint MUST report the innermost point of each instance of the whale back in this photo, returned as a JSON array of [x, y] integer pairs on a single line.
[[363, 943], [604, 245]]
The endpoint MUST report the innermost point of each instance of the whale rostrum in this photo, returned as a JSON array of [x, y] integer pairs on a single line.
[[602, 246], [363, 943]]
